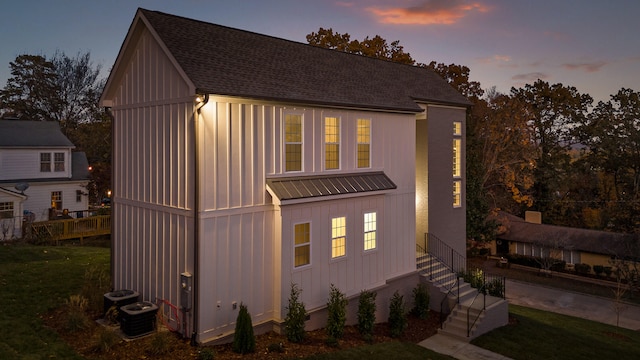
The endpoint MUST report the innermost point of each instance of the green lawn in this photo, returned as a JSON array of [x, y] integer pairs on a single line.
[[33, 280], [544, 335], [383, 351]]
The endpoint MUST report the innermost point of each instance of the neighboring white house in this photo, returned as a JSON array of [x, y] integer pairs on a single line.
[[40, 175], [243, 163]]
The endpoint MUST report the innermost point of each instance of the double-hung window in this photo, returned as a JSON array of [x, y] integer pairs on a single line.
[[331, 143], [6, 210], [45, 162], [364, 143], [370, 231], [58, 162], [293, 142], [302, 244], [338, 237], [56, 200], [457, 164]]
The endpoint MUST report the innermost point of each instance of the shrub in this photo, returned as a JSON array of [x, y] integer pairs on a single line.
[[366, 314], [598, 269], [77, 319], [97, 282], [243, 339], [275, 348], [421, 301], [206, 354], [583, 268], [608, 270], [397, 315], [296, 316], [337, 311], [495, 288]]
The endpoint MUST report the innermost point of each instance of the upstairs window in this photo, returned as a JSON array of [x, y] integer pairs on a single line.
[[293, 142], [457, 193], [370, 231], [457, 128], [45, 162], [457, 152], [331, 143], [338, 237], [364, 143], [58, 162], [302, 244]]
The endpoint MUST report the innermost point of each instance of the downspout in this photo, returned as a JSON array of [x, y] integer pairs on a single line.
[[111, 250], [196, 218]]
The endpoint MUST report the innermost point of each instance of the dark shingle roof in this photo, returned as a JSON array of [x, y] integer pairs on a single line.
[[593, 241], [21, 133], [226, 61], [292, 188]]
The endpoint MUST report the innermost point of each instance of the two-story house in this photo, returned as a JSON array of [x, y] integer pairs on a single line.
[[40, 175], [243, 163]]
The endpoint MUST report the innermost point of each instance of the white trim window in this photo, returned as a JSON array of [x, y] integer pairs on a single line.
[[302, 244], [45, 162], [6, 210], [56, 200], [331, 143], [370, 231], [457, 193], [58, 161], [338, 237], [364, 143], [293, 142]]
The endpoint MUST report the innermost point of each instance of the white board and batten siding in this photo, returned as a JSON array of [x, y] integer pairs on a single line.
[[153, 186]]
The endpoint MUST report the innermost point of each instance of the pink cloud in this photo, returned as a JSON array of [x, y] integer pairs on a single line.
[[588, 67], [430, 12], [345, 4]]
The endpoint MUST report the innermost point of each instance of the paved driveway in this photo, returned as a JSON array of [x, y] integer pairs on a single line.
[[573, 304]]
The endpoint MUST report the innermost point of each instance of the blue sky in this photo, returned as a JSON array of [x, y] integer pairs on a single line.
[[590, 44]]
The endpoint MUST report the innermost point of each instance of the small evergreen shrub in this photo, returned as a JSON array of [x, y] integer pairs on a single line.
[[583, 268], [160, 344], [397, 315], [77, 318], [607, 270], [598, 269], [366, 314], [337, 312], [275, 348], [495, 288], [206, 354], [244, 341], [421, 301], [296, 316]]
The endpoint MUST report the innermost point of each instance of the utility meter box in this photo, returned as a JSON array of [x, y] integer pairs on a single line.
[[186, 290]]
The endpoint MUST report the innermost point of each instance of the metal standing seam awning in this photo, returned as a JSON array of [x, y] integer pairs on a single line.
[[304, 187]]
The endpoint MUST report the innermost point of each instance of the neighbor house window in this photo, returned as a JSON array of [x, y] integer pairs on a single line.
[[58, 162], [45, 162], [370, 231], [56, 200], [293, 142], [78, 195], [364, 143], [331, 143], [6, 210], [457, 194], [302, 244], [338, 237]]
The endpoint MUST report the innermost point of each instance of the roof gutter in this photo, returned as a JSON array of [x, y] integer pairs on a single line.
[[196, 217]]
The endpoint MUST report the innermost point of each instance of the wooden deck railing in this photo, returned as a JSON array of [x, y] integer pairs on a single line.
[[66, 229]]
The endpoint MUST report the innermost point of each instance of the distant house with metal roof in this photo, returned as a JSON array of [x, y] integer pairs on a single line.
[[40, 174], [244, 163], [572, 245]]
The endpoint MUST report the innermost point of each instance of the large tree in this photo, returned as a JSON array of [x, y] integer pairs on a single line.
[[32, 92]]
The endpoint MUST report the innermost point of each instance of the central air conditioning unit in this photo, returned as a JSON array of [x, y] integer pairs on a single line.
[[138, 318], [119, 298]]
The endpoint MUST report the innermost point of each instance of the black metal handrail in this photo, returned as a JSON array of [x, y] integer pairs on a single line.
[[489, 284], [437, 248], [456, 284]]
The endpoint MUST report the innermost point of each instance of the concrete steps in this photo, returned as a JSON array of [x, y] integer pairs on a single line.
[[467, 305]]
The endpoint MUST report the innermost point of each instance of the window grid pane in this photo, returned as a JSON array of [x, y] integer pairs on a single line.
[[338, 237], [6, 210], [456, 157], [364, 139], [58, 162], [369, 231], [457, 128], [302, 247], [457, 200], [293, 142], [45, 162], [56, 200], [332, 143]]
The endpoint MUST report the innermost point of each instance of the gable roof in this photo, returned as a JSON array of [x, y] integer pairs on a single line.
[[593, 241], [21, 133], [226, 61]]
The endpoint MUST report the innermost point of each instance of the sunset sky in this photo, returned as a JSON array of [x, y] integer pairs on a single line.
[[593, 45]]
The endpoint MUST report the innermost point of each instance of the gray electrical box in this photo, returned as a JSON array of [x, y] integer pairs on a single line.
[[186, 290]]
